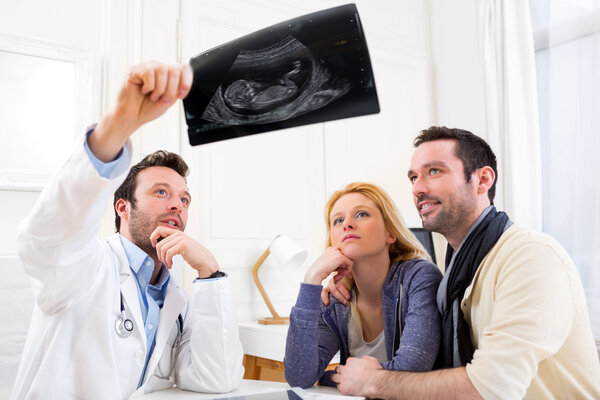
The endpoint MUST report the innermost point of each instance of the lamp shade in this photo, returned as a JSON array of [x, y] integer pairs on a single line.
[[286, 252]]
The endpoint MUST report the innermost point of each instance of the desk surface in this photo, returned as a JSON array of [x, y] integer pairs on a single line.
[[267, 341], [247, 387]]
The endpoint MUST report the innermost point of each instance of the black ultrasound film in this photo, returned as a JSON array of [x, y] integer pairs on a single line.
[[310, 69]]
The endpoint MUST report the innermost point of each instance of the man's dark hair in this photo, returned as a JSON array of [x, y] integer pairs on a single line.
[[473, 151], [159, 158]]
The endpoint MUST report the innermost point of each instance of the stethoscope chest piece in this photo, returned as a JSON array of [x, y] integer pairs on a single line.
[[123, 326]]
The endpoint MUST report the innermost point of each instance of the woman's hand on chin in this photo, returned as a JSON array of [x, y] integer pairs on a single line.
[[332, 260]]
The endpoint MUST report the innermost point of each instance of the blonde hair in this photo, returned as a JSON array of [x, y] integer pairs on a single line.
[[406, 246]]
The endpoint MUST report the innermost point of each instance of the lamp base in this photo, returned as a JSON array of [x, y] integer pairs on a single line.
[[274, 321]]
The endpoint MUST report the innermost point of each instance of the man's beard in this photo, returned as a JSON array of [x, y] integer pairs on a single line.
[[140, 228], [454, 212]]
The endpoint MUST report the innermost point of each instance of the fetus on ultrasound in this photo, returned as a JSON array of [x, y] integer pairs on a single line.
[[273, 84]]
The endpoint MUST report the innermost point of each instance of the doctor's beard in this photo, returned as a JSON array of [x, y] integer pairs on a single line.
[[141, 226]]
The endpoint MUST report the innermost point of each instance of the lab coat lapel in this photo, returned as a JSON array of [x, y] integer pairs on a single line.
[[128, 288], [173, 306]]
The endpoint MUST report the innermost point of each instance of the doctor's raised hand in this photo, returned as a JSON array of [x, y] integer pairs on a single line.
[[148, 91]]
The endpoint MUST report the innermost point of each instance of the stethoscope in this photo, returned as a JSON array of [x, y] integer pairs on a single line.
[[123, 325]]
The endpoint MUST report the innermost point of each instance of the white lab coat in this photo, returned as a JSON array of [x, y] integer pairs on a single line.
[[72, 349]]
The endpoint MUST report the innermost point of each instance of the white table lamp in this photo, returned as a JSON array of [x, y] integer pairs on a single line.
[[287, 254]]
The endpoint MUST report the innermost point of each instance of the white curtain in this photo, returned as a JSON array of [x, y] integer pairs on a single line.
[[511, 107], [567, 41]]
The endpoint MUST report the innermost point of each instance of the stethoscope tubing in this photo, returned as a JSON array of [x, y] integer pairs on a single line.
[[123, 325]]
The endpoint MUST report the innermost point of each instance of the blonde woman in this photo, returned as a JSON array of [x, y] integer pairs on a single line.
[[392, 314]]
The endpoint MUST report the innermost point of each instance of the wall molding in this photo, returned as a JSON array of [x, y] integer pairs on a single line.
[[23, 181]]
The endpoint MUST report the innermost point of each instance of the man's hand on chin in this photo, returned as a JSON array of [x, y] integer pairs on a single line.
[[170, 242]]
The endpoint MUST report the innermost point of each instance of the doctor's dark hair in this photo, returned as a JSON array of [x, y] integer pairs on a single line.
[[473, 151], [159, 158]]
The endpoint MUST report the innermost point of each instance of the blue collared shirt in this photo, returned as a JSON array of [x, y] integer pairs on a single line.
[[151, 297]]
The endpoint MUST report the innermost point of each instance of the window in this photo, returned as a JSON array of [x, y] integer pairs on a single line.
[[567, 40]]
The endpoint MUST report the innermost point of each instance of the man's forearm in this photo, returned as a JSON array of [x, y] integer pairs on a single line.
[[108, 138], [441, 384], [365, 377]]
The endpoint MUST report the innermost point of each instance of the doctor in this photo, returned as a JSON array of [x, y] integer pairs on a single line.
[[109, 322]]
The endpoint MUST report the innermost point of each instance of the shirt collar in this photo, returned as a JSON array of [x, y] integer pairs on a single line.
[[163, 280], [135, 255], [142, 266]]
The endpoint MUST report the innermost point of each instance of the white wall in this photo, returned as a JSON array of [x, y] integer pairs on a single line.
[[247, 190], [457, 65]]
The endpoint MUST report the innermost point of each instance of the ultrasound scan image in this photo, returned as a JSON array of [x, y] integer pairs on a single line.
[[274, 84], [310, 69]]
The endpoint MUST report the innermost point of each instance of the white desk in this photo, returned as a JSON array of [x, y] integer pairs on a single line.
[[264, 350], [265, 341], [247, 387]]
